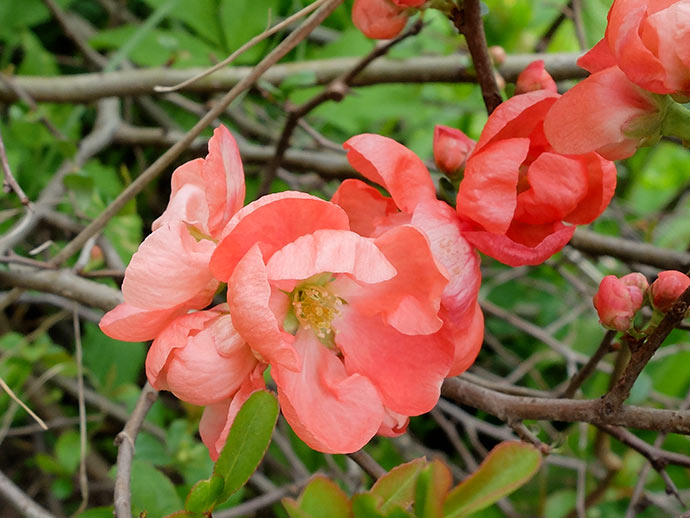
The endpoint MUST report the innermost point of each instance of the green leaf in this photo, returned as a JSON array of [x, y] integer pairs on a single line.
[[204, 494], [507, 467], [68, 451], [433, 483], [241, 21], [397, 487], [321, 498], [152, 491], [97, 512], [247, 441], [367, 505]]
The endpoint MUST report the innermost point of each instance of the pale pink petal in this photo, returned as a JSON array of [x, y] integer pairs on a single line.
[[488, 191], [378, 19], [557, 184], [273, 221], [169, 268], [131, 324], [407, 370], [334, 251], [330, 410], [187, 199], [393, 424], [195, 371], [366, 207], [249, 295], [390, 164], [593, 115], [217, 419], [516, 117], [223, 175]]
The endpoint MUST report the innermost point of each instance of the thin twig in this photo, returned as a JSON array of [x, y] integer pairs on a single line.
[[20, 500], [83, 480], [245, 47], [171, 154], [368, 464], [9, 183], [261, 502], [125, 443], [14, 397], [588, 368]]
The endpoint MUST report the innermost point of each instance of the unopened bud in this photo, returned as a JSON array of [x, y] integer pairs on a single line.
[[497, 54], [618, 300], [666, 289], [535, 77], [451, 148]]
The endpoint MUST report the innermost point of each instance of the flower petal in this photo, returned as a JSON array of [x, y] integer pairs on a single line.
[[466, 335], [407, 370], [366, 207], [597, 58], [378, 19], [131, 324], [187, 199], [330, 410], [393, 166], [273, 221], [601, 186]]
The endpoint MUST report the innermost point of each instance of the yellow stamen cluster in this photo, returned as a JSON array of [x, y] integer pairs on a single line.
[[316, 307]]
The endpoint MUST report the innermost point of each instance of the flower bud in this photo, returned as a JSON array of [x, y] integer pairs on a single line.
[[451, 148], [666, 289], [618, 300], [535, 77], [497, 54]]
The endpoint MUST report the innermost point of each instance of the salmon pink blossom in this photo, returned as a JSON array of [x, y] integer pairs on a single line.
[[666, 289], [517, 192], [413, 202], [349, 324], [451, 148], [169, 274], [617, 300], [382, 19]]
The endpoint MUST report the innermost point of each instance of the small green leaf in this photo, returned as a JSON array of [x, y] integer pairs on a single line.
[[433, 484], [68, 451], [321, 498], [396, 488], [247, 441], [204, 494], [507, 467], [367, 505], [152, 491]]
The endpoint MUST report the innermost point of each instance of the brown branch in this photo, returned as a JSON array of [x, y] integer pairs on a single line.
[[368, 464], [171, 154], [657, 457], [641, 355], [335, 91], [468, 20], [81, 88], [9, 183], [627, 250], [20, 500], [505, 407], [125, 453], [588, 369]]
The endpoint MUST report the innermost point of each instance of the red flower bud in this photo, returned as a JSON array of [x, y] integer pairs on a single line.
[[535, 77], [451, 148], [618, 300], [666, 289]]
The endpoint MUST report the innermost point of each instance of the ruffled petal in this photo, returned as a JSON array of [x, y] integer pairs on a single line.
[[393, 424], [557, 184], [366, 207], [273, 221], [466, 335], [512, 253], [601, 185], [407, 370], [131, 324], [249, 300], [223, 176], [169, 268], [597, 58], [393, 166], [330, 410], [187, 198], [488, 191], [217, 419], [334, 251]]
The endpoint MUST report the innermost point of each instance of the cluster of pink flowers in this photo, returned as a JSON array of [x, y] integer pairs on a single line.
[[618, 300], [361, 306]]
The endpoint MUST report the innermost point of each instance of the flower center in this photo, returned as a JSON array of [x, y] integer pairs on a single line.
[[315, 308]]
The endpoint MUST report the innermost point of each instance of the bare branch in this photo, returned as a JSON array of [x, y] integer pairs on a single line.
[[20, 500]]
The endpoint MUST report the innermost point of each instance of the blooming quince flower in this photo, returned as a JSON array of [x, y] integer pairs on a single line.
[[666, 289], [517, 191], [535, 77], [413, 202], [451, 147], [349, 324], [382, 19], [617, 300], [650, 42]]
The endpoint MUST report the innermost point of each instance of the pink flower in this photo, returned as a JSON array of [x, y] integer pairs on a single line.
[[169, 274], [349, 324], [451, 147], [517, 190], [413, 201], [666, 289], [535, 77], [650, 42], [617, 300], [382, 19], [606, 113]]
